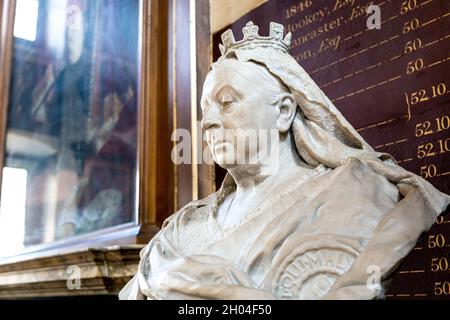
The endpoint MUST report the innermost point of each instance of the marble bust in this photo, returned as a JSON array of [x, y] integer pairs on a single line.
[[311, 227]]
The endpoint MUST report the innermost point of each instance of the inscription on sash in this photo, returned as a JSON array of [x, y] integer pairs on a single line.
[[309, 274]]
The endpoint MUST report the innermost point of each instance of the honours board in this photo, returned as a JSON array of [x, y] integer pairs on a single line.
[[393, 86]]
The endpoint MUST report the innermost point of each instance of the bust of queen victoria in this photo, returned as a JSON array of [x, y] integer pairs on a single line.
[[311, 227]]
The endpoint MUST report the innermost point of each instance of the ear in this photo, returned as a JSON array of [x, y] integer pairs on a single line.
[[287, 109]]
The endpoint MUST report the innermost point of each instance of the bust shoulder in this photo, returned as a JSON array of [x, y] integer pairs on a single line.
[[191, 207], [357, 176]]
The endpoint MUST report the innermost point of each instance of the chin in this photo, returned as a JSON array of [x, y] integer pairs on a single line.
[[220, 158], [226, 166]]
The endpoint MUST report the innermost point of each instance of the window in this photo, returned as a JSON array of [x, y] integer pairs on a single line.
[[25, 22]]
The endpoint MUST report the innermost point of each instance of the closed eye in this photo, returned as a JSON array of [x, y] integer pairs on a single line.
[[226, 101]]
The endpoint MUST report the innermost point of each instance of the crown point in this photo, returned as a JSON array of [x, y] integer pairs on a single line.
[[250, 31], [222, 49], [288, 39], [276, 30], [228, 38]]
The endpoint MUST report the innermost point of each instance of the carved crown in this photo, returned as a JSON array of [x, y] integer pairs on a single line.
[[253, 40]]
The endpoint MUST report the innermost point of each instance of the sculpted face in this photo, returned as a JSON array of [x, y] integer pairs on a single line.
[[241, 100]]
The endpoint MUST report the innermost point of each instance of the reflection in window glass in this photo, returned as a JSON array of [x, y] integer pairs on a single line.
[[25, 20], [12, 210], [72, 117]]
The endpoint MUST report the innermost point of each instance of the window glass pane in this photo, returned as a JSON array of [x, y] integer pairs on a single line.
[[70, 157]]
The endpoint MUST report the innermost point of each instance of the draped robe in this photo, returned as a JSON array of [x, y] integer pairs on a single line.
[[315, 238]]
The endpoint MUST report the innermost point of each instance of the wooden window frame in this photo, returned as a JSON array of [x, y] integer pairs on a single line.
[[155, 168]]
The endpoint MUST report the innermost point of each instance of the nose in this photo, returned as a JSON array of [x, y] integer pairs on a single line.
[[210, 119]]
